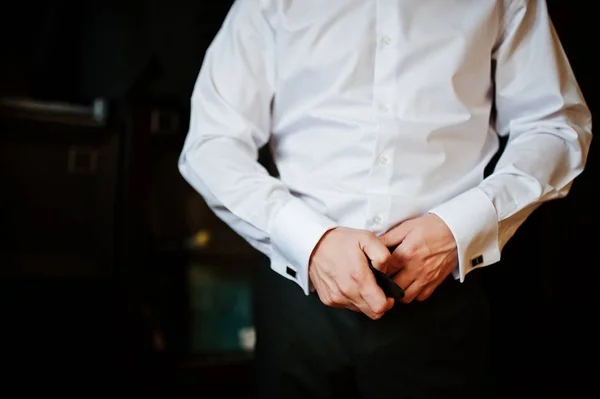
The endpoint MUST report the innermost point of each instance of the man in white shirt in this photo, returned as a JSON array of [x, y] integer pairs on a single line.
[[381, 117]]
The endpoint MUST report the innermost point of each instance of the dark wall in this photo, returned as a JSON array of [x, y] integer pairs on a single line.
[[72, 50], [543, 292]]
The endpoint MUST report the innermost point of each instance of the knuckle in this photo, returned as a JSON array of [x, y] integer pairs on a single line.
[[376, 316], [425, 294], [410, 251], [384, 258], [369, 236], [344, 292], [379, 309], [336, 299], [327, 301], [418, 235], [358, 276]]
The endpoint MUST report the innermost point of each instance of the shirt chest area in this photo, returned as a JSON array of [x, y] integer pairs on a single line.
[[357, 48]]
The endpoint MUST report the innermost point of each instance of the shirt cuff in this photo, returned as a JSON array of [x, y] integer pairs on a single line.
[[295, 231], [472, 218]]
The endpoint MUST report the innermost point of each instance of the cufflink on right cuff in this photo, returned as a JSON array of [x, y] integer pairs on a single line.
[[477, 261], [291, 272]]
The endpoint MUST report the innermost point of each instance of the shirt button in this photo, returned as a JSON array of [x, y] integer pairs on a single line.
[[383, 160], [386, 40], [384, 108], [376, 219]]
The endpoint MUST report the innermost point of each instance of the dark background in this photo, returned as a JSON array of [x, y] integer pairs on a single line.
[[94, 290]]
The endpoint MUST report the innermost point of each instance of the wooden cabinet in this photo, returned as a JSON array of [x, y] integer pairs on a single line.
[[57, 201], [198, 271]]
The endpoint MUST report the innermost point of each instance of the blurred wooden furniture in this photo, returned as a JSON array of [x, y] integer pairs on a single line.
[[60, 173]]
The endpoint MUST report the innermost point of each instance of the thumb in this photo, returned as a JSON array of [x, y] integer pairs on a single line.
[[378, 253], [392, 238]]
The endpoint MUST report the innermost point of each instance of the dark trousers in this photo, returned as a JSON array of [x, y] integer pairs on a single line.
[[437, 348]]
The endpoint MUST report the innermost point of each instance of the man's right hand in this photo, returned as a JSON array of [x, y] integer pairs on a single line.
[[340, 273]]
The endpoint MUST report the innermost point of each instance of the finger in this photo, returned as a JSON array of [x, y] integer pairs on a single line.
[[395, 264], [396, 235], [412, 291], [373, 297], [346, 294], [405, 265], [404, 278], [366, 309], [426, 292], [353, 308], [349, 289], [327, 289], [322, 292], [327, 301], [378, 253]]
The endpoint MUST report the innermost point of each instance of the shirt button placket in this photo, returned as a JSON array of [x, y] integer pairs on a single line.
[[378, 206]]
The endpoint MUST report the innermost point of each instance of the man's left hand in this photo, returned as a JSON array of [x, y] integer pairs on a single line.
[[424, 256]]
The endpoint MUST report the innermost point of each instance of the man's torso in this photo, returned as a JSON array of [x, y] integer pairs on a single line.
[[382, 106]]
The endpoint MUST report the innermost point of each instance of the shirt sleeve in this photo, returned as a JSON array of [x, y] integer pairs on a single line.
[[540, 108], [230, 121]]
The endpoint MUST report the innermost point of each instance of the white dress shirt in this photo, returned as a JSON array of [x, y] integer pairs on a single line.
[[382, 110]]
